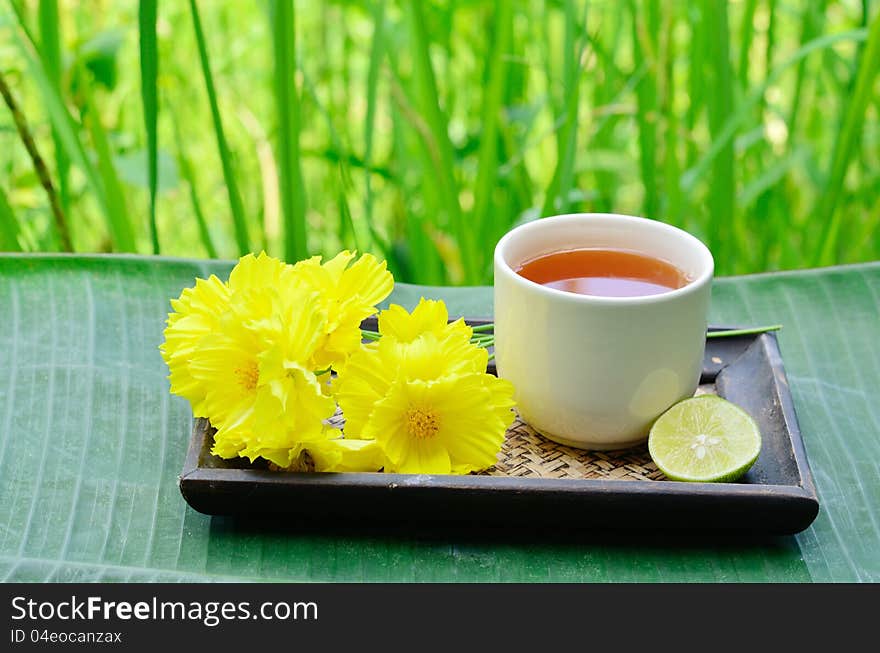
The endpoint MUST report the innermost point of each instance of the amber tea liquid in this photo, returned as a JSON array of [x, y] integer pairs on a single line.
[[604, 273]]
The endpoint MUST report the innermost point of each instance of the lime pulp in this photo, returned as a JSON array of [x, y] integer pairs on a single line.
[[704, 439]]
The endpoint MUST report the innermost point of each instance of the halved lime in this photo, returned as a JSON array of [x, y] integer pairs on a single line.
[[704, 439]]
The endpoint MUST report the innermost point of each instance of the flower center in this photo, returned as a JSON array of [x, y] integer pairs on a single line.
[[247, 375], [421, 423]]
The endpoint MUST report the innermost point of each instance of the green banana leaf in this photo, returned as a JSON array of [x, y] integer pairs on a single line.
[[91, 444]]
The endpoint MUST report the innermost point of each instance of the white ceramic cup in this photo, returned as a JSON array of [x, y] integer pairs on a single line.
[[595, 372]]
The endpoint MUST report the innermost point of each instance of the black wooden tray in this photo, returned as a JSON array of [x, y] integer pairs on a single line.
[[777, 495]]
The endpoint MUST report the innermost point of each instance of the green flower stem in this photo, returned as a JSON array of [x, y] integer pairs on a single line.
[[743, 332], [488, 339], [480, 339]]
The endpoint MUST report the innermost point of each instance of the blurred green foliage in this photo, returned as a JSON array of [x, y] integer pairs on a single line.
[[422, 131]]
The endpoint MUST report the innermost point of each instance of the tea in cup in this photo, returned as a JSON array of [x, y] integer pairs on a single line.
[[600, 324]]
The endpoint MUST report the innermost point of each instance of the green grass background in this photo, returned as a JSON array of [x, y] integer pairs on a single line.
[[422, 131]]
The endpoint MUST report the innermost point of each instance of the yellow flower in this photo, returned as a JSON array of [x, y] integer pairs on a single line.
[[421, 345], [196, 314], [260, 392], [371, 371], [453, 425], [253, 356], [349, 294], [244, 354], [199, 311], [421, 392]]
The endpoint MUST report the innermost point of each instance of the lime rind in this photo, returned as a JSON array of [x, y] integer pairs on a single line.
[[704, 439]]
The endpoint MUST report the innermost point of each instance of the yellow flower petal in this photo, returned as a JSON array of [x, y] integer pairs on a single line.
[[336, 266], [346, 455], [283, 457], [228, 444], [197, 313], [303, 322], [255, 272], [430, 316], [364, 381], [348, 295], [428, 357], [477, 413], [424, 458], [367, 280], [226, 368]]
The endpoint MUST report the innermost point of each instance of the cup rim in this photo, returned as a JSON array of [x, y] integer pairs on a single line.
[[502, 267]]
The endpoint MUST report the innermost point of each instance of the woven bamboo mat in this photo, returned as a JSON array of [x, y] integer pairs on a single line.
[[526, 453]]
